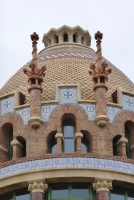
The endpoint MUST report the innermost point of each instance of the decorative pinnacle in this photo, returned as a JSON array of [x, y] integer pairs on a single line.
[[98, 36], [34, 37]]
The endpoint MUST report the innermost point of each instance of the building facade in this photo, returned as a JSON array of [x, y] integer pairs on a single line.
[[67, 124]]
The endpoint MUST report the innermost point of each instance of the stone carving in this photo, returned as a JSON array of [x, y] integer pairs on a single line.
[[122, 140], [59, 135], [16, 142], [37, 187], [35, 74], [78, 134], [35, 122], [132, 147], [3, 149], [100, 185]]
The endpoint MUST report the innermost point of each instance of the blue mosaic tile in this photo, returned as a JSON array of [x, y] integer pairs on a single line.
[[112, 112], [7, 105], [46, 112], [25, 114], [68, 95], [128, 103], [90, 110]]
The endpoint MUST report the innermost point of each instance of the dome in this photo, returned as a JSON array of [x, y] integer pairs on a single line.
[[67, 63]]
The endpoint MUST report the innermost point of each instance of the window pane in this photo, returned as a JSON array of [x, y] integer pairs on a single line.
[[80, 191], [130, 195], [54, 148], [22, 195], [68, 145], [84, 147], [117, 194], [60, 192], [68, 131], [6, 197]]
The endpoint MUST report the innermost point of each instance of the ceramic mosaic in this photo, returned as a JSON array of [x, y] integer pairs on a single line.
[[66, 163], [90, 110], [25, 114], [46, 111], [68, 95], [128, 102], [112, 112], [7, 105]]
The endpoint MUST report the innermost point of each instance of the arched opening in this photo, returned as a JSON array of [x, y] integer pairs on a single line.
[[65, 37], [6, 138], [86, 143], [116, 148], [129, 134], [74, 37], [51, 143], [56, 39], [82, 40], [22, 149], [68, 127]]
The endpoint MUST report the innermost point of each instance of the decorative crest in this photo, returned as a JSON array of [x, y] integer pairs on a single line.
[[100, 70], [35, 74]]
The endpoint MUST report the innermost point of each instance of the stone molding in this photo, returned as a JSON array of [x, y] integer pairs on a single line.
[[78, 134], [37, 186], [122, 140], [35, 122], [102, 185], [101, 120], [16, 142], [60, 135], [3, 149]]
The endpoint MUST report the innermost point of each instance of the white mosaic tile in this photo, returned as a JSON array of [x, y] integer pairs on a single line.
[[90, 110], [46, 112], [25, 114], [68, 95], [7, 105], [67, 162], [128, 103], [112, 112]]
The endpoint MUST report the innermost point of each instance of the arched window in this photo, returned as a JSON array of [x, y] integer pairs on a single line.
[[84, 145], [22, 151], [74, 37], [51, 143], [86, 142], [127, 135], [56, 39], [65, 37], [116, 148], [68, 132]]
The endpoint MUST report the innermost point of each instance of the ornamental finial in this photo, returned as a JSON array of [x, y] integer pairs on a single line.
[[98, 36], [34, 36]]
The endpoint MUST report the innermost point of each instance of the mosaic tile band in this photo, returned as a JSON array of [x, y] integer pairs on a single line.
[[67, 162]]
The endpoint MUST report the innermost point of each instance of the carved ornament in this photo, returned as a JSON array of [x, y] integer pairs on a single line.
[[102, 185], [102, 120], [132, 147], [3, 149], [16, 142], [37, 187], [35, 122], [122, 140], [60, 135], [78, 134]]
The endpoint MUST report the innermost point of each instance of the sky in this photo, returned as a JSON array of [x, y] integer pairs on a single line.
[[20, 18]]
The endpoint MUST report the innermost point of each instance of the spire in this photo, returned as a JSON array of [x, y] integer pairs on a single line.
[[35, 74], [100, 70]]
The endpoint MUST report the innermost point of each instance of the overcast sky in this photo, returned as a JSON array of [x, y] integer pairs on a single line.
[[20, 18]]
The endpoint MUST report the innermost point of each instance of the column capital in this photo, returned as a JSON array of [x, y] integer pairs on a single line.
[[37, 186], [78, 134], [132, 146], [3, 149], [102, 185], [60, 135], [16, 142], [122, 140]]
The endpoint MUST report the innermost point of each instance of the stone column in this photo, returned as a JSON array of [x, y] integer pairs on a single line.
[[37, 189], [102, 188], [59, 139], [78, 137], [17, 149], [121, 146]]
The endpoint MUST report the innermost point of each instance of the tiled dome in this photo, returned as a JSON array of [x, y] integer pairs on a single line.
[[67, 64]]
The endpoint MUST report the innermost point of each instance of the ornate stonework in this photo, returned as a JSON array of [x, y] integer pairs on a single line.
[[35, 122], [3, 149], [78, 134], [16, 142], [60, 135], [37, 187], [102, 185], [122, 140]]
